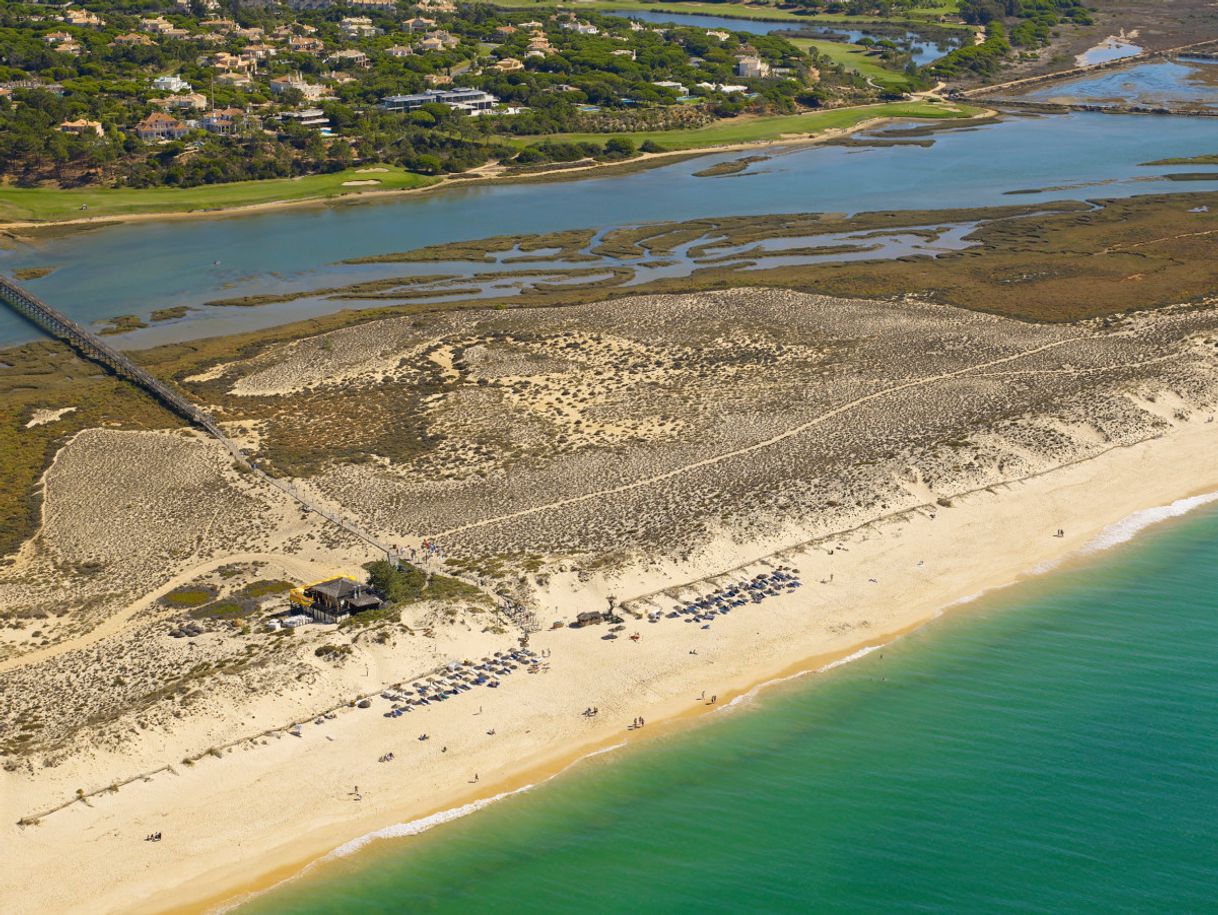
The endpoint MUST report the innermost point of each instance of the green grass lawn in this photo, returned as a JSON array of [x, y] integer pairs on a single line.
[[757, 129], [764, 12], [853, 57], [52, 204]]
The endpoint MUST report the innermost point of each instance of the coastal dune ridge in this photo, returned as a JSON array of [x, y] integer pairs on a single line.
[[889, 456]]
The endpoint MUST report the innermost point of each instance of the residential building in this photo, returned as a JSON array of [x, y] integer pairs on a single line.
[[225, 122], [624, 52], [307, 117], [751, 67], [131, 39], [670, 84], [234, 80], [83, 128], [721, 36], [419, 24], [467, 100], [84, 19], [384, 6], [163, 27], [581, 28], [349, 57], [508, 65], [69, 46], [310, 91], [222, 60], [258, 52], [399, 50], [358, 27], [304, 44], [300, 5], [726, 88], [160, 126], [448, 39], [191, 101], [504, 32], [170, 84]]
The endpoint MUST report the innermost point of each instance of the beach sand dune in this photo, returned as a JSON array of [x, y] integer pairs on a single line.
[[637, 454]]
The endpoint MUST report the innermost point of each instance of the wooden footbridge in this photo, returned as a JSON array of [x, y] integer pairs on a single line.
[[60, 326], [1197, 47]]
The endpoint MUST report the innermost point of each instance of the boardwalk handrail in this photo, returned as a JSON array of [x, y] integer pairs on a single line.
[[980, 92], [60, 325]]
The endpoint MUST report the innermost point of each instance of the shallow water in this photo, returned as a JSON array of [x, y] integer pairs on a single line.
[[1164, 84], [139, 267], [1048, 749], [1102, 53], [924, 50]]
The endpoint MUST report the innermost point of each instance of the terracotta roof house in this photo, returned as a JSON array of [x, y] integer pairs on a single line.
[[160, 126], [82, 127]]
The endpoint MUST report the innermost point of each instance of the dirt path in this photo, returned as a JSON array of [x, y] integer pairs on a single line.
[[757, 446], [299, 569]]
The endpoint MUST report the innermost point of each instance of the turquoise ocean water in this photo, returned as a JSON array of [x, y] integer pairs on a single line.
[[1053, 748]]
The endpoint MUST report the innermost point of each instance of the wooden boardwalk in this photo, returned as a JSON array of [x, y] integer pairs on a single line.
[[60, 326]]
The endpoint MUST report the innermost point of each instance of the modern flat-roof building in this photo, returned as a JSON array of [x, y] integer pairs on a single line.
[[469, 100]]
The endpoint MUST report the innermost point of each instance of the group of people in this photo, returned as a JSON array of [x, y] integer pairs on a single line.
[[152, 837], [637, 723], [430, 549], [590, 712]]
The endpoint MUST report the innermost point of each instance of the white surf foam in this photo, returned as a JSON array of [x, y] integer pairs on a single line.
[[752, 693], [760, 687], [411, 828], [1127, 528], [841, 662], [421, 825]]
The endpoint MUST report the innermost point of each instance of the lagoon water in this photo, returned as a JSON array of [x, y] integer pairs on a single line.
[[1161, 83], [1051, 748], [136, 268], [923, 50]]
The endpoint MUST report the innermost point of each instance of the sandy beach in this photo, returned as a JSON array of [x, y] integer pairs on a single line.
[[244, 818]]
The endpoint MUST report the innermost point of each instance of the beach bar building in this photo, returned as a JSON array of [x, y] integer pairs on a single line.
[[334, 599]]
